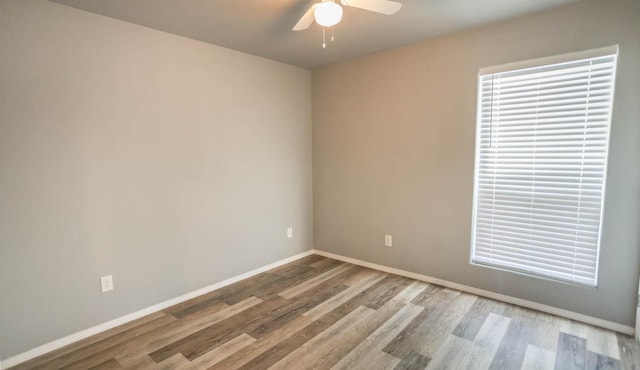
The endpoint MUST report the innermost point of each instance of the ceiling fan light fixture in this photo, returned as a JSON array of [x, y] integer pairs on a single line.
[[328, 13]]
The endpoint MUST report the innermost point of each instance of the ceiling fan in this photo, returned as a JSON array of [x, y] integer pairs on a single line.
[[328, 13]]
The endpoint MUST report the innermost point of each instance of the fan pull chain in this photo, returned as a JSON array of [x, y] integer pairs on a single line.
[[324, 44], [332, 38]]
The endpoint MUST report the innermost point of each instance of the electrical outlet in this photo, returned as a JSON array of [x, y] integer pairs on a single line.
[[289, 232], [106, 283], [388, 241]]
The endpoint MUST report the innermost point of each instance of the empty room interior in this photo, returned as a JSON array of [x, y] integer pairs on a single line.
[[319, 184]]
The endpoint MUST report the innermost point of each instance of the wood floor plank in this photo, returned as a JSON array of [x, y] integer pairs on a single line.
[[122, 349], [323, 349], [391, 286], [369, 352], [475, 317], [291, 344], [96, 343], [266, 347], [571, 353], [219, 294], [510, 354], [574, 328], [96, 353], [205, 339], [324, 264], [110, 364], [379, 361], [222, 352], [629, 352], [600, 362], [537, 358], [307, 262], [364, 282], [326, 350], [311, 283], [379, 294], [297, 306], [431, 329], [283, 348], [459, 353], [290, 270], [545, 332], [243, 289], [289, 278], [256, 321], [413, 361], [232, 293], [430, 293], [489, 338], [142, 363], [155, 340], [175, 362], [602, 342], [405, 341], [451, 291], [407, 294], [383, 361], [454, 352]]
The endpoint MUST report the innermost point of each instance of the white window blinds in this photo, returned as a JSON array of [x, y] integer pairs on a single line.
[[541, 156]]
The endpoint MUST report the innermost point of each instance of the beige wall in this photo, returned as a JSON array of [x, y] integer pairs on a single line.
[[169, 163], [393, 153]]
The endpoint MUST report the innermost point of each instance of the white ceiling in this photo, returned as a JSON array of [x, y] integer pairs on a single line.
[[263, 27]]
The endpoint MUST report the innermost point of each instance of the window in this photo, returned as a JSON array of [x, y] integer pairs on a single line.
[[541, 160]]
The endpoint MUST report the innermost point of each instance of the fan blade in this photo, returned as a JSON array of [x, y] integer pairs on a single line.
[[306, 20], [379, 6]]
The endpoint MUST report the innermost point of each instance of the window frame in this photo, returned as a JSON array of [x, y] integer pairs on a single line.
[[532, 64]]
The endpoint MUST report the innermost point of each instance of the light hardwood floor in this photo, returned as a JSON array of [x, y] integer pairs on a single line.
[[318, 313]]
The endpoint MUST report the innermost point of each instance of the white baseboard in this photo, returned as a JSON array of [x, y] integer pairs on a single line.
[[638, 316], [638, 322], [59, 343], [485, 293]]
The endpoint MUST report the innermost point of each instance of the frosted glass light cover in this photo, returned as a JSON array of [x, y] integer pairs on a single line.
[[328, 13]]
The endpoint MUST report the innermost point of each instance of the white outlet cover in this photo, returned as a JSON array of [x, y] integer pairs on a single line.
[[388, 241], [290, 232], [106, 283]]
